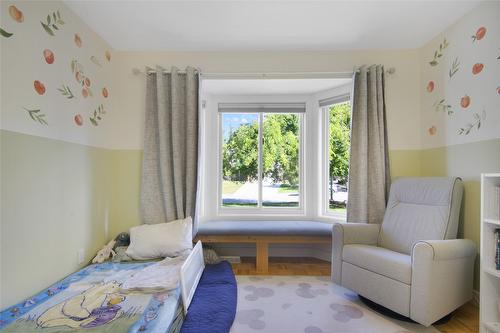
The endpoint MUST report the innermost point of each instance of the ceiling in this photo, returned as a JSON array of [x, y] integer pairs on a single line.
[[268, 25], [271, 86]]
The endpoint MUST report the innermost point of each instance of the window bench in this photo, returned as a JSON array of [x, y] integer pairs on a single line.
[[263, 233]]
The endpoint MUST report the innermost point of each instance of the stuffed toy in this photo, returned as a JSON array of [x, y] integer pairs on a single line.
[[123, 239], [105, 252]]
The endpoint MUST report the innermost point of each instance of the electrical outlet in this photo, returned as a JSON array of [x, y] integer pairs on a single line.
[[81, 256]]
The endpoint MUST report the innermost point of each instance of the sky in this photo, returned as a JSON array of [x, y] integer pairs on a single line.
[[231, 121]]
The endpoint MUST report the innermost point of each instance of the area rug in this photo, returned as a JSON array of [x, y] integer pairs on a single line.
[[308, 304]]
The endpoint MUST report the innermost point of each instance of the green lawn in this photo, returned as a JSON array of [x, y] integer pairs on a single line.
[[229, 187], [288, 189]]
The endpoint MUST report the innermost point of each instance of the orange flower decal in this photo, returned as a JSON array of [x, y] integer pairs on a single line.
[[78, 40], [105, 92], [16, 14], [432, 130], [39, 87], [479, 34], [477, 68], [430, 86], [465, 101], [49, 56]]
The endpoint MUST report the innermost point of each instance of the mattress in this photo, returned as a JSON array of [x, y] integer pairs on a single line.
[[90, 300]]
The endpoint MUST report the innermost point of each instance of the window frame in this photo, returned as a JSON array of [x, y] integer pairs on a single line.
[[261, 210], [325, 156]]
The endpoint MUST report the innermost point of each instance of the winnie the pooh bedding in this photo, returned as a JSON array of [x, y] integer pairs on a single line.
[[91, 300]]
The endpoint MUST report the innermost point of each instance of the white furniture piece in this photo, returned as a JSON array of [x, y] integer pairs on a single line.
[[411, 263], [191, 272], [489, 276]]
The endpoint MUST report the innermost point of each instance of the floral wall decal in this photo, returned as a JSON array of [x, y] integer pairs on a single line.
[[5, 33], [442, 106], [39, 87], [465, 101], [78, 40], [78, 120], [498, 90], [66, 92], [16, 14], [455, 66], [432, 130], [97, 115], [430, 86], [475, 124], [37, 115], [77, 69], [480, 33], [52, 23], [45, 53], [477, 68], [439, 53], [48, 56]]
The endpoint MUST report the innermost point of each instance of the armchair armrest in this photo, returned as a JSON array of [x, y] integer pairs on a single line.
[[350, 233], [442, 275], [355, 233], [448, 249]]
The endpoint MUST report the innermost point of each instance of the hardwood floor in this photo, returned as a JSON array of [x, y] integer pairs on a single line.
[[464, 320]]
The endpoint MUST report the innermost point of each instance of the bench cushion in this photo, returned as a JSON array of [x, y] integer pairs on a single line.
[[265, 228]]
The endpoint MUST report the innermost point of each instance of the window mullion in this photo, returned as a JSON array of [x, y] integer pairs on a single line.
[[260, 168]]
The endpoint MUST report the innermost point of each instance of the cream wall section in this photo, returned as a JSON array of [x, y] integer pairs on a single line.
[[403, 102], [56, 178], [36, 64]]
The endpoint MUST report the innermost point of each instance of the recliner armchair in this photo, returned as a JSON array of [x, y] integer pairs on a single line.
[[411, 263]]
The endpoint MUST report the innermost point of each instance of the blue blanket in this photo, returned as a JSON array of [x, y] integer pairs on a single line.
[[213, 307]]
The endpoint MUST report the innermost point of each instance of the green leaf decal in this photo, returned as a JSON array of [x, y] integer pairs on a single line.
[[53, 21], [5, 33], [36, 115], [47, 29]]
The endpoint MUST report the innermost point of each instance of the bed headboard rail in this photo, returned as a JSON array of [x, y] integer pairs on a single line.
[[191, 272]]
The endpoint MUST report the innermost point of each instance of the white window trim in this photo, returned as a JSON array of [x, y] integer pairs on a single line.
[[325, 158], [259, 210]]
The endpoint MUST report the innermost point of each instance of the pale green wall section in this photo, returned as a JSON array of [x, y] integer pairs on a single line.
[[125, 213], [54, 199], [405, 163], [467, 161]]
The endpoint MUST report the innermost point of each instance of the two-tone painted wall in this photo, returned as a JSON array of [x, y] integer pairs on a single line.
[[70, 173], [56, 168]]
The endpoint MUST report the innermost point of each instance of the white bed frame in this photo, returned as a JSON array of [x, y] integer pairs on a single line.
[[191, 272]]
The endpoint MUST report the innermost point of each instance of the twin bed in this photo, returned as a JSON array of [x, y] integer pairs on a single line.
[[91, 300]]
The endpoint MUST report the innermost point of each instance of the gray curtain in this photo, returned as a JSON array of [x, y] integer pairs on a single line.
[[369, 175], [169, 169]]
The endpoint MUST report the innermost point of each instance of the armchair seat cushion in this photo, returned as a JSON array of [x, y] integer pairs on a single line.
[[394, 265]]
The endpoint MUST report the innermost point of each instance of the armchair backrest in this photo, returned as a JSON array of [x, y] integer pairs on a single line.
[[421, 209]]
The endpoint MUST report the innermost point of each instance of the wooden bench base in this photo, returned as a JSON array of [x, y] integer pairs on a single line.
[[262, 244]]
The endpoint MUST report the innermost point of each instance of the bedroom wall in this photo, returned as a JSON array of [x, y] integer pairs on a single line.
[[403, 103], [461, 136], [55, 162]]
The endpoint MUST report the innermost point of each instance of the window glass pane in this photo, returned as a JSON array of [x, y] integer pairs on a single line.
[[240, 132], [280, 160], [339, 116]]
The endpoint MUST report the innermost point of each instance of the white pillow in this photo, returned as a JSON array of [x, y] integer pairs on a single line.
[[151, 241]]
